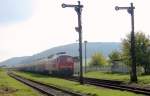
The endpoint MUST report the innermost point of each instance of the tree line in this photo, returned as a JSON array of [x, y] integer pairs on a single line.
[[142, 53]]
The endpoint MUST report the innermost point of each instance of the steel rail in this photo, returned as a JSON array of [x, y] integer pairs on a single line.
[[44, 88], [112, 84]]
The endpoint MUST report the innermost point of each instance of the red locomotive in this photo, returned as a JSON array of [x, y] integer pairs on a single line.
[[59, 64]]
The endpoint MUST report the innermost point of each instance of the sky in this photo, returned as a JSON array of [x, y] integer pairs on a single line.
[[28, 27]]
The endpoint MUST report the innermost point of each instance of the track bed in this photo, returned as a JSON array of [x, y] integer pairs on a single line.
[[46, 89]]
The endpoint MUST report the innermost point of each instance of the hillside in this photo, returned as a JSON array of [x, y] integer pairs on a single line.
[[71, 49], [14, 61]]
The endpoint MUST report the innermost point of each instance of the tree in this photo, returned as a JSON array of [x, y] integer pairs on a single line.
[[98, 60], [114, 60], [114, 56], [141, 47], [147, 59]]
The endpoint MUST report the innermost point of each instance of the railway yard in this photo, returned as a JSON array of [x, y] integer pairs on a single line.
[[97, 66], [53, 86]]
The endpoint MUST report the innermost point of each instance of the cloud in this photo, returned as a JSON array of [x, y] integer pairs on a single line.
[[15, 10]]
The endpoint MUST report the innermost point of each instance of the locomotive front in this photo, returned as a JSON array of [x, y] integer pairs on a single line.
[[65, 65]]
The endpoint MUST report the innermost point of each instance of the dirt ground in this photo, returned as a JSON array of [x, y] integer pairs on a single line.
[[7, 90]]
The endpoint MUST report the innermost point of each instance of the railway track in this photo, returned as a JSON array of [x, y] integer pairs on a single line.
[[43, 88], [113, 85], [53, 91]]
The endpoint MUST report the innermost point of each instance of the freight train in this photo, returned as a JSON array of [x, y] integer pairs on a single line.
[[59, 64]]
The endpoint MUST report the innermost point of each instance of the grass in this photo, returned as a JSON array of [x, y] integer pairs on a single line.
[[142, 79], [70, 85], [106, 75], [11, 87]]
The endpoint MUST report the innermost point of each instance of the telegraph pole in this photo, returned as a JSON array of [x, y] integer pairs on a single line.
[[133, 75], [78, 9]]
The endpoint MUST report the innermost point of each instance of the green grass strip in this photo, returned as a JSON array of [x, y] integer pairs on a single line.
[[143, 80], [11, 87]]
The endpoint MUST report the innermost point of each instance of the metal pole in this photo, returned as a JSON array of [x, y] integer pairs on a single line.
[[85, 42], [133, 74], [79, 10], [133, 56]]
